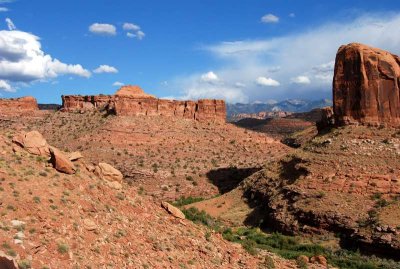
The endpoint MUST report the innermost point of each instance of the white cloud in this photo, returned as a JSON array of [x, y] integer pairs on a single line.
[[240, 85], [10, 24], [292, 15], [131, 27], [5, 86], [209, 77], [103, 29], [105, 69], [270, 18], [118, 84], [308, 52], [301, 80], [133, 31], [22, 60], [140, 35], [268, 82], [3, 9]]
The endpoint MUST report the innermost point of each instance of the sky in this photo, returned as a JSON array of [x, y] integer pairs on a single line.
[[239, 51]]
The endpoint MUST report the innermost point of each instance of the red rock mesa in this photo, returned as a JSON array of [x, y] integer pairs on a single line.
[[18, 105], [133, 101]]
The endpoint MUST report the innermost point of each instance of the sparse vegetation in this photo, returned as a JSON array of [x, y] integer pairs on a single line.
[[62, 248], [187, 201]]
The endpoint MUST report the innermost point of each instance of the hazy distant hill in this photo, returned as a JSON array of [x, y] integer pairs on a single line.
[[290, 105]]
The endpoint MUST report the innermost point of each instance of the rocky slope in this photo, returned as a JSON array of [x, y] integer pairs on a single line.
[[92, 219]]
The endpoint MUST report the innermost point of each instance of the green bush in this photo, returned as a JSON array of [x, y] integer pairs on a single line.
[[187, 201]]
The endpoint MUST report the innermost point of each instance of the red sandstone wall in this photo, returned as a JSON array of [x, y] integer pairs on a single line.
[[15, 105], [203, 110], [366, 86]]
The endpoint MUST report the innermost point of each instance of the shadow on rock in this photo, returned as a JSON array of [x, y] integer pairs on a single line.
[[226, 179]]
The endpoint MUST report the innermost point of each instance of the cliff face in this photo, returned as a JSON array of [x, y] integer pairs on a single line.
[[132, 101], [15, 105], [366, 86]]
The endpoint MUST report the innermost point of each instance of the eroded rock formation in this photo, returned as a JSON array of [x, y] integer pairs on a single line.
[[366, 86], [132, 101], [23, 104]]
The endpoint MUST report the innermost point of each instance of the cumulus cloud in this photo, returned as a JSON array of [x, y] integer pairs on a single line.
[[103, 29], [118, 84], [5, 86], [133, 31], [22, 60], [209, 77], [270, 18], [140, 35], [130, 27], [301, 80], [3, 9], [268, 82], [105, 69], [10, 24], [310, 53]]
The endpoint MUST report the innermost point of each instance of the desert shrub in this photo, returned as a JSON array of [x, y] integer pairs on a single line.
[[187, 201], [62, 248], [201, 217]]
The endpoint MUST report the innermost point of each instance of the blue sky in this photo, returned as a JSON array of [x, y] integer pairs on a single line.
[[242, 51]]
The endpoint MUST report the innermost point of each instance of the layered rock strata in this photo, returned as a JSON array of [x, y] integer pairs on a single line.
[[23, 104], [132, 101]]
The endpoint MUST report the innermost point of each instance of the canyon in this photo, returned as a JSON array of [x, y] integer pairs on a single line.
[[122, 164]]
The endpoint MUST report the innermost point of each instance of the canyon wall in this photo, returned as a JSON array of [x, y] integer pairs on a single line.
[[366, 86], [132, 101], [18, 105]]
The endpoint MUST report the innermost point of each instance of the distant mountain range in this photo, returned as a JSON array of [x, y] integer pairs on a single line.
[[289, 105]]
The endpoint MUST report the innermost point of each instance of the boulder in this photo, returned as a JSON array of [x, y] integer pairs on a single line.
[[60, 162], [173, 210], [319, 260], [7, 262], [89, 225], [302, 261], [107, 172], [366, 86], [74, 156], [114, 185], [33, 142], [327, 119]]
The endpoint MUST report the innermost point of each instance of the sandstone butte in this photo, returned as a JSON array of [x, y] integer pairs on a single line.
[[133, 101], [366, 86], [23, 104]]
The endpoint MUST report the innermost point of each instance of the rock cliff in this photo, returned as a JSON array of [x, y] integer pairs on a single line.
[[15, 105], [366, 86], [132, 101]]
